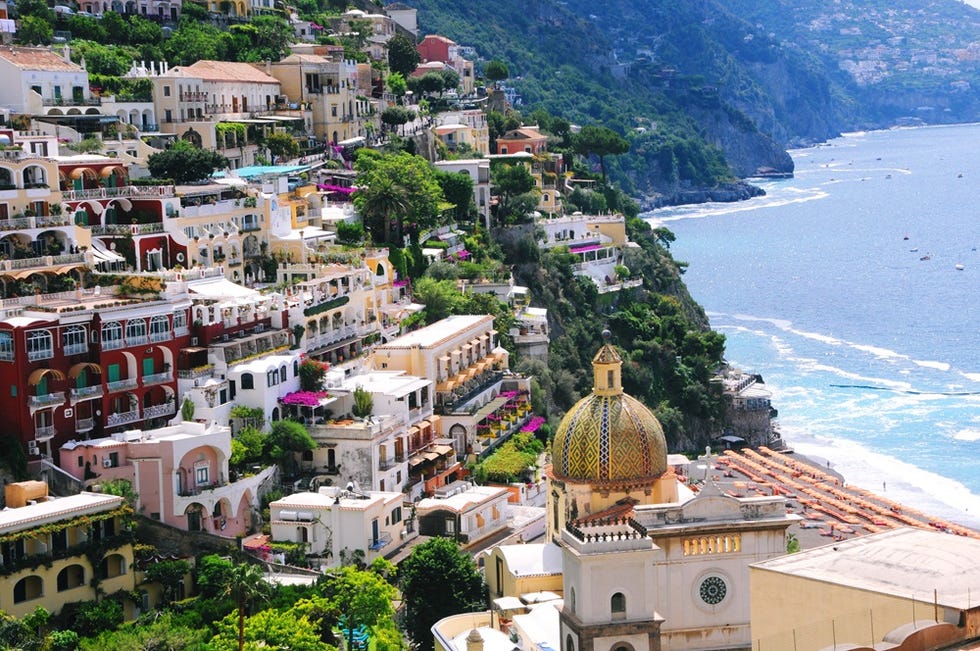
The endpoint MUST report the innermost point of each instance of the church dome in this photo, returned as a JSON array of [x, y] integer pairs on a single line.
[[609, 436]]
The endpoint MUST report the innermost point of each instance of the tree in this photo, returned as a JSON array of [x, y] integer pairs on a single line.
[[383, 200], [212, 574], [311, 374], [438, 580], [511, 182], [34, 30], [269, 629], [496, 71], [168, 574], [94, 617], [246, 583], [162, 633], [457, 188], [363, 402], [282, 146], [362, 597], [396, 84], [601, 141], [403, 56], [187, 410], [412, 173], [395, 116], [440, 298], [185, 163], [286, 438]]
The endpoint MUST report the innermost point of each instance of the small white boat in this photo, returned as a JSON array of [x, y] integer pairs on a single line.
[[960, 266]]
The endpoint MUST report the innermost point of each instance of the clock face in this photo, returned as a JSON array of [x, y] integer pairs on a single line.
[[713, 590]]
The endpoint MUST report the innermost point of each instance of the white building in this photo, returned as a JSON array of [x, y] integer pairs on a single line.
[[337, 522], [37, 81], [464, 512]]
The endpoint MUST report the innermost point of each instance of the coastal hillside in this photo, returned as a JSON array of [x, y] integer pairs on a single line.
[[747, 78]]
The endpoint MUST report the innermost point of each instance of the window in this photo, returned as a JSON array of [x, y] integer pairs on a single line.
[[40, 345], [618, 603], [272, 378], [74, 340], [180, 320], [166, 91], [28, 588], [135, 332], [202, 475], [112, 335], [159, 328], [168, 115], [247, 381], [396, 515], [7, 346]]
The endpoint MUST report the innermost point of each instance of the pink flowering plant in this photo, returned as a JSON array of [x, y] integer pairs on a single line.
[[305, 398]]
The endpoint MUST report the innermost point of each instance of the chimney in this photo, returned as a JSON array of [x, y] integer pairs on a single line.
[[268, 67], [66, 53]]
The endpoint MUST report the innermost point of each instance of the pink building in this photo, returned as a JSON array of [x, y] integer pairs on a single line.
[[180, 474]]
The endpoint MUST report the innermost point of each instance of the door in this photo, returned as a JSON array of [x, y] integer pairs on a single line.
[[374, 532], [113, 373], [148, 366]]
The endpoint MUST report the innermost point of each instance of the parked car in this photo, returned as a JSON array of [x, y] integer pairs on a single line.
[[62, 10]]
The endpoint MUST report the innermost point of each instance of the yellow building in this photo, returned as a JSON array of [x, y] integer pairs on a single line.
[[911, 588], [46, 547]]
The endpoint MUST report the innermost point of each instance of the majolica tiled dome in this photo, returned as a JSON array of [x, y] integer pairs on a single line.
[[609, 436]]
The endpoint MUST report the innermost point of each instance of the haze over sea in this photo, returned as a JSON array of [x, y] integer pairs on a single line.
[[872, 352]]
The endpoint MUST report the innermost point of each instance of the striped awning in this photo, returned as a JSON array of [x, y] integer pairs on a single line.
[[35, 378]]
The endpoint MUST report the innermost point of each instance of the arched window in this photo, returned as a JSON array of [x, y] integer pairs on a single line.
[[617, 604], [159, 328], [40, 345], [272, 378], [247, 381], [282, 373], [70, 577], [569, 643], [28, 588], [74, 340], [135, 332], [180, 320]]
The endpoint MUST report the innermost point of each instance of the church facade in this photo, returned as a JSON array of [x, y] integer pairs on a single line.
[[647, 565]]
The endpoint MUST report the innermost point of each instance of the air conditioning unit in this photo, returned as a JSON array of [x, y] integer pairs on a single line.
[[107, 463], [32, 447]]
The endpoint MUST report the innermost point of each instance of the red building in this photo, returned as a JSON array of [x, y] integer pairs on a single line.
[[88, 365], [437, 48]]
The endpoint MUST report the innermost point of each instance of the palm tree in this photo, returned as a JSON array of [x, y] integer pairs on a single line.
[[384, 199], [246, 583]]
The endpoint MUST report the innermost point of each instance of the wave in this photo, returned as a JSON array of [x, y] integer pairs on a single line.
[[939, 366], [913, 392], [968, 435], [788, 197]]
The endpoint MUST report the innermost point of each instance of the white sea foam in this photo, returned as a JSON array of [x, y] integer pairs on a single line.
[[967, 435], [877, 351], [971, 376], [939, 366]]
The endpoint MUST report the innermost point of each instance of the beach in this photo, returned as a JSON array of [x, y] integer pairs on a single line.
[[829, 509]]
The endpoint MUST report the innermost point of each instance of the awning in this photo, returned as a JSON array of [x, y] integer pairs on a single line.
[[35, 378], [446, 386], [413, 430], [489, 408], [220, 288], [78, 369], [442, 450], [508, 603], [103, 255]]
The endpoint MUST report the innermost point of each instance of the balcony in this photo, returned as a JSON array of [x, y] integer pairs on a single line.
[[46, 400], [71, 101], [42, 262], [85, 393], [122, 418], [137, 340], [121, 385], [112, 344], [160, 336], [84, 425], [193, 97], [158, 378], [180, 331], [194, 373], [380, 542], [42, 353], [248, 226], [385, 464], [76, 349], [159, 411], [125, 191], [43, 432]]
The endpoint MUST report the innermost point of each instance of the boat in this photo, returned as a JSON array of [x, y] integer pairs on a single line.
[[915, 250], [960, 266], [926, 257]]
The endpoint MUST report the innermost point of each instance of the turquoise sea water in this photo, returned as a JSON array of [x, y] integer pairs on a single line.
[[872, 353]]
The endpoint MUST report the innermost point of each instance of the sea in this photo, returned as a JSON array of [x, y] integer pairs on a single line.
[[853, 289]]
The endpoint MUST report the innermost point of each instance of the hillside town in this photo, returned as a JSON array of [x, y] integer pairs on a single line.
[[220, 354]]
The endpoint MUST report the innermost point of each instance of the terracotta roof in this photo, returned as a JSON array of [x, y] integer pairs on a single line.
[[37, 58], [228, 71], [304, 58]]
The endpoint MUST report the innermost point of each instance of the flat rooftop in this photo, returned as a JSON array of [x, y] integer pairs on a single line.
[[439, 331], [54, 510], [906, 562]]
